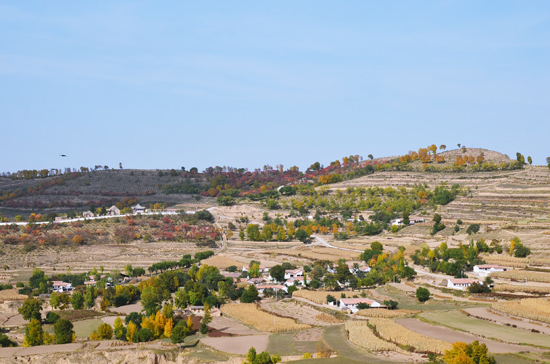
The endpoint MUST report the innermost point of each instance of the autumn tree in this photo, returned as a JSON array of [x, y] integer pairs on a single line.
[[474, 353], [33, 333], [442, 147], [207, 318], [529, 160]]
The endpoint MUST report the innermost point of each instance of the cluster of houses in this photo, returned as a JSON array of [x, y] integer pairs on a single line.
[[412, 221]]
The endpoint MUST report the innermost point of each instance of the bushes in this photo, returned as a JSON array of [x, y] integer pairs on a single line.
[[63, 330], [422, 294], [52, 317], [145, 335]]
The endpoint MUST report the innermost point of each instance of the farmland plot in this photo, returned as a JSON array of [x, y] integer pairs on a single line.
[[263, 321], [537, 309]]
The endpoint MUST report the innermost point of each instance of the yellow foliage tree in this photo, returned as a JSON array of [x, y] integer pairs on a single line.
[[94, 336], [190, 324], [131, 329], [168, 328]]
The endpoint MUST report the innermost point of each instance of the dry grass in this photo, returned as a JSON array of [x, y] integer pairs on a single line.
[[531, 308], [541, 262], [263, 321], [383, 313], [360, 334], [524, 289], [520, 275], [392, 331], [325, 317], [318, 253], [318, 297], [222, 262], [11, 295]]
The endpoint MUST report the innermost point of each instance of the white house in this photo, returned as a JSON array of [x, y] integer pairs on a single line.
[[486, 269], [293, 273], [275, 287], [113, 211], [460, 283], [138, 208], [351, 303], [87, 214], [60, 286]]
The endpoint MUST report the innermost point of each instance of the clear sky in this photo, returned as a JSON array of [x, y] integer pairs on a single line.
[[200, 83]]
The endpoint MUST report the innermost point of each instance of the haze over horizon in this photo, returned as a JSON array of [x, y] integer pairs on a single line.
[[205, 84]]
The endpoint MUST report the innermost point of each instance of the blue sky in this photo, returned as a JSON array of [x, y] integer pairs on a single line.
[[249, 83]]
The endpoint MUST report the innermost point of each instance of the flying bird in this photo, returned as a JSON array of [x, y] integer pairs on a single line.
[[62, 155]]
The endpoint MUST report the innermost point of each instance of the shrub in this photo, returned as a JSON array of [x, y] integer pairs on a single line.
[[145, 335], [63, 330], [52, 317], [105, 331], [179, 332], [422, 294]]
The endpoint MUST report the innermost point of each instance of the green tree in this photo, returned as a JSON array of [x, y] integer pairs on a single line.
[[90, 296], [64, 299], [151, 299], [77, 300], [31, 309], [253, 232], [119, 328], [422, 294], [179, 332], [277, 272], [145, 334], [241, 235], [182, 299], [530, 160], [250, 294], [302, 235], [63, 330], [54, 300], [34, 335]]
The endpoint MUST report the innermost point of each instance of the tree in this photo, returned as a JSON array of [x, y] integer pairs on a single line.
[[250, 294], [472, 229], [90, 296], [151, 299], [530, 160], [391, 304], [145, 334], [263, 358], [207, 318], [370, 157], [302, 235], [422, 294], [31, 309], [131, 331], [119, 328], [52, 317], [277, 272], [54, 300], [34, 335], [77, 239], [442, 147], [77, 300], [105, 331], [462, 353], [63, 330], [179, 332], [64, 299], [182, 299]]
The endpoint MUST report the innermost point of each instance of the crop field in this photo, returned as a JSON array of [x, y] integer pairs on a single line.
[[392, 331], [383, 313], [360, 334], [506, 260], [318, 297], [537, 309], [263, 321], [520, 275], [298, 311], [522, 289], [222, 262]]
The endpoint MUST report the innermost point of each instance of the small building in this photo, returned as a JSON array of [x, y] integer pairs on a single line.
[[275, 287], [459, 283], [87, 214], [199, 311], [230, 274], [351, 303], [60, 286], [138, 209], [293, 273], [486, 269], [113, 211]]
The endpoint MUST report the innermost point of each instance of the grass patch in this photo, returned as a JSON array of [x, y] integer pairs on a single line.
[[75, 315], [337, 360], [86, 327], [282, 344], [207, 355], [513, 359]]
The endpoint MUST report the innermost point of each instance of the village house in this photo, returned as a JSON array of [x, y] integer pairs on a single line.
[[113, 211], [486, 269], [275, 287], [87, 214], [199, 311], [60, 286], [351, 303], [298, 281], [138, 209], [293, 273], [459, 283]]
